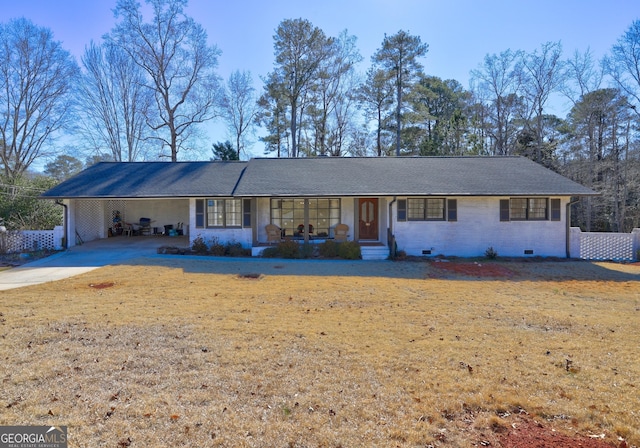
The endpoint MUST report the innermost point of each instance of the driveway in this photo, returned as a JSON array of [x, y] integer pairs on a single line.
[[84, 258]]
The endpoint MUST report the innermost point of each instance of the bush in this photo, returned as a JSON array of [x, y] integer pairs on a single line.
[[199, 246], [217, 248], [491, 253], [328, 249], [349, 250], [271, 252], [289, 249], [235, 249]]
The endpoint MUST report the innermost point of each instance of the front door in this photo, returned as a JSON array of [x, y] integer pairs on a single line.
[[368, 219]]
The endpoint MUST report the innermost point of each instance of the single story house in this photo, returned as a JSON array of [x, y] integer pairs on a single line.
[[452, 206]]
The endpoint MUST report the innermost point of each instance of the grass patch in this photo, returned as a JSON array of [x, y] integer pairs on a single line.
[[168, 352]]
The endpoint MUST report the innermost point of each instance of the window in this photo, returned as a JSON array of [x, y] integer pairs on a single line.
[[528, 209], [219, 213], [425, 209], [289, 214]]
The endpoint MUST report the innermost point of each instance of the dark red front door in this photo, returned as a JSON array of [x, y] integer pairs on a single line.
[[368, 218]]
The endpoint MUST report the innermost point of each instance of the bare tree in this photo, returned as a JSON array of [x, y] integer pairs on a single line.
[[624, 64], [543, 75], [36, 75], [172, 49], [114, 102], [399, 56], [498, 80], [581, 76], [240, 108]]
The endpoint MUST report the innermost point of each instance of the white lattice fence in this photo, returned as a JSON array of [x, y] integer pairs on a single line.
[[31, 240], [605, 246], [88, 219]]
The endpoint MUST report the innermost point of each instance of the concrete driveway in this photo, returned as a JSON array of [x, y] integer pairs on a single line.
[[84, 258]]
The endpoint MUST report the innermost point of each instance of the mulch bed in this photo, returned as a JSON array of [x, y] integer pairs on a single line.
[[474, 269], [528, 433]]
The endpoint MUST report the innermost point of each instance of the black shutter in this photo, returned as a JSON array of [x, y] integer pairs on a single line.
[[504, 209], [246, 213], [555, 209], [199, 213], [452, 209], [402, 209]]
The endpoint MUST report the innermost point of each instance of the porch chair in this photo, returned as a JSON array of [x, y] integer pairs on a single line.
[[274, 234], [340, 232], [128, 229]]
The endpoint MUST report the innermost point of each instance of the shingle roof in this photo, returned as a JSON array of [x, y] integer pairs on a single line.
[[441, 176], [151, 179], [321, 176]]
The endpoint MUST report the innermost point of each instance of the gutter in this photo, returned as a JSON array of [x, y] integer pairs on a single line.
[[390, 232], [65, 242], [568, 225]]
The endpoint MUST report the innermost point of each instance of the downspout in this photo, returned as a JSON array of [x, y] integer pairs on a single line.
[[390, 238], [65, 242], [568, 226]]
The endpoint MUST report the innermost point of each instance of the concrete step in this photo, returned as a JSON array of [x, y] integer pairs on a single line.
[[374, 252]]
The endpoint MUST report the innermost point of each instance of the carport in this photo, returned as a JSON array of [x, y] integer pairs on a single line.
[[104, 218]]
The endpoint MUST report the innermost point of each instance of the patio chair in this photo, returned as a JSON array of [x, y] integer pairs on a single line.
[[340, 232], [128, 229], [274, 234]]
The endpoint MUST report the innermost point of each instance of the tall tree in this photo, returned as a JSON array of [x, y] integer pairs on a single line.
[[400, 56], [115, 104], [224, 151], [600, 125], [331, 100], [376, 97], [63, 167], [300, 49], [36, 76], [240, 108], [272, 115], [624, 64], [498, 81], [172, 49], [581, 76], [543, 75]]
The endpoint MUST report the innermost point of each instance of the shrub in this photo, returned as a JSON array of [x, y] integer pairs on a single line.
[[289, 249], [328, 249], [199, 246], [235, 249], [216, 248], [306, 250], [491, 253], [349, 250], [271, 252]]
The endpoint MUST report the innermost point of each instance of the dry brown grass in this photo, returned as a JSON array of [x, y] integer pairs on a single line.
[[168, 354]]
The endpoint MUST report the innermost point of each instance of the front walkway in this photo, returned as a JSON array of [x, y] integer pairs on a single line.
[[84, 258]]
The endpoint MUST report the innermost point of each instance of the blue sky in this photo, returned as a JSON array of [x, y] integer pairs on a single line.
[[459, 32]]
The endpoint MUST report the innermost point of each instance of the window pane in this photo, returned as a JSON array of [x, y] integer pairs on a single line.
[[518, 208], [215, 212], [538, 208], [233, 211], [435, 209], [415, 209]]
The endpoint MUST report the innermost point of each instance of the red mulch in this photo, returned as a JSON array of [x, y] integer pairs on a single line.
[[528, 433], [101, 285], [474, 269]]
